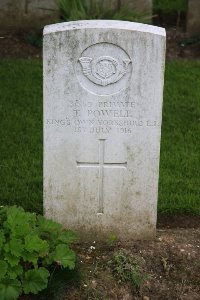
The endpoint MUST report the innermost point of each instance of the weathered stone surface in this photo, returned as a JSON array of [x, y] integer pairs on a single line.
[[141, 6], [34, 14], [27, 14], [193, 17], [103, 87]]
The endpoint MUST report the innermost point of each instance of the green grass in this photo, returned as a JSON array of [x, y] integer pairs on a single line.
[[21, 134], [21, 137], [179, 186]]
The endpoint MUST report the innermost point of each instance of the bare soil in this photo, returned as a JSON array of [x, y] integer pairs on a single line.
[[178, 221], [171, 262], [15, 45]]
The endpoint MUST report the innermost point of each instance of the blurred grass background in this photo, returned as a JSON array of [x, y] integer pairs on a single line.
[[21, 137]]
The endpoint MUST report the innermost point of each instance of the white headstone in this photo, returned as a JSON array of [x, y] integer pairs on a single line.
[[103, 90]]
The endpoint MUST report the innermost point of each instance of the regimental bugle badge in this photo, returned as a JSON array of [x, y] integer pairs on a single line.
[[104, 70]]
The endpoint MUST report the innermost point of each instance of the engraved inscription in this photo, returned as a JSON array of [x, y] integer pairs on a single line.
[[101, 165], [104, 70], [104, 117], [105, 74]]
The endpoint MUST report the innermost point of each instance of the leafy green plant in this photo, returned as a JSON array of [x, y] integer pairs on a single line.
[[170, 6], [71, 10], [111, 240], [29, 245], [126, 268], [35, 40]]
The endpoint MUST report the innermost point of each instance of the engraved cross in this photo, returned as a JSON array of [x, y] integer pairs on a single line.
[[101, 165]]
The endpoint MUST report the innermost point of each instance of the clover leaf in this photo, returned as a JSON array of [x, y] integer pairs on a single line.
[[10, 289], [35, 280], [34, 243], [64, 256], [3, 268], [30, 244]]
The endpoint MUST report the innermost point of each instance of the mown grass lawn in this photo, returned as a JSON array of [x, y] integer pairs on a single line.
[[21, 137]]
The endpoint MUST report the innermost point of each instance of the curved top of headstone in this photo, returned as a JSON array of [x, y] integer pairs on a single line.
[[107, 24]]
